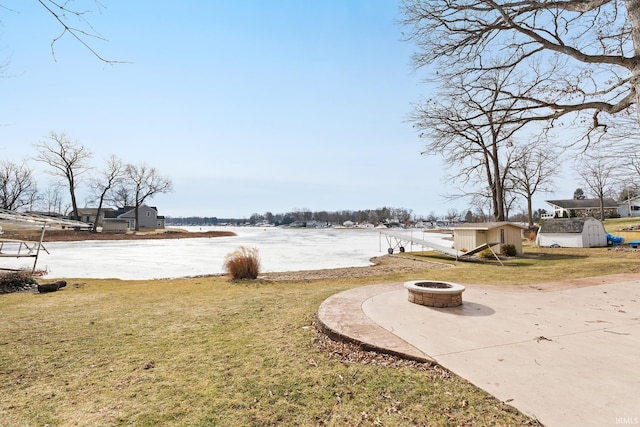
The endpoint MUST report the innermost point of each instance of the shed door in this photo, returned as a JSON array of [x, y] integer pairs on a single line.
[[592, 237]]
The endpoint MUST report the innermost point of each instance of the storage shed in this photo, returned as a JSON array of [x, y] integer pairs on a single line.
[[585, 232], [469, 236], [115, 225]]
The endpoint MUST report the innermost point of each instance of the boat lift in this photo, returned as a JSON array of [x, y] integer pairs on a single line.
[[15, 248], [399, 240]]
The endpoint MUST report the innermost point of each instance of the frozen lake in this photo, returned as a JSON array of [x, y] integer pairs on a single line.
[[280, 249]]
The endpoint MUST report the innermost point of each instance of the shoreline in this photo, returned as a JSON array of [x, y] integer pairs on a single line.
[[83, 235], [384, 264]]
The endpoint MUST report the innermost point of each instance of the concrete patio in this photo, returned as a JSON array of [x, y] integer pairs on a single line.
[[566, 353]]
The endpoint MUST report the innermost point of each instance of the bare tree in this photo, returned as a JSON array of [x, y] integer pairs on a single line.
[[620, 145], [452, 215], [510, 201], [627, 193], [72, 16], [52, 200], [145, 182], [122, 194], [590, 49], [105, 181], [18, 187], [68, 160], [531, 172], [598, 174], [482, 208], [472, 126]]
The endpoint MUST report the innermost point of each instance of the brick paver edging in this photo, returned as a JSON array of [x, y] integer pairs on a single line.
[[341, 317]]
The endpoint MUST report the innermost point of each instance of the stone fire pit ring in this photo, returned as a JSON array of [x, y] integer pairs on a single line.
[[433, 293]]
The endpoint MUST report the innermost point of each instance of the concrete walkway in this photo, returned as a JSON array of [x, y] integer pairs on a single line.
[[567, 357]]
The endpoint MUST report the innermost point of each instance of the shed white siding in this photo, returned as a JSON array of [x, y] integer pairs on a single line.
[[572, 233], [565, 240]]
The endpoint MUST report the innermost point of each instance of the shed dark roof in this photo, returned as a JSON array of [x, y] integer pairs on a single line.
[[564, 225], [584, 203]]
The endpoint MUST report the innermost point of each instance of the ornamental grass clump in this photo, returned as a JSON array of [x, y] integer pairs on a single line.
[[243, 263], [486, 254]]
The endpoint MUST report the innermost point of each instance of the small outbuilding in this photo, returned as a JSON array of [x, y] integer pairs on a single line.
[[585, 232], [115, 225], [471, 235]]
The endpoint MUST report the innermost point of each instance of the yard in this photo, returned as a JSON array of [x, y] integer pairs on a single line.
[[206, 351]]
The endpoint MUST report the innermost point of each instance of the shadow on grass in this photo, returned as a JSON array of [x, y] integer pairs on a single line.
[[525, 260], [551, 256], [534, 260]]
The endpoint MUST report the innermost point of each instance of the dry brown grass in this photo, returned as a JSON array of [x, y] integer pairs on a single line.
[[537, 265], [243, 264], [206, 351]]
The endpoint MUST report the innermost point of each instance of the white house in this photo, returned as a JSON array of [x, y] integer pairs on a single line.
[[583, 232], [581, 207], [629, 208]]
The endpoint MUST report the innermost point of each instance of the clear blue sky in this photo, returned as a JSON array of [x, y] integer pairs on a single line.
[[247, 105]]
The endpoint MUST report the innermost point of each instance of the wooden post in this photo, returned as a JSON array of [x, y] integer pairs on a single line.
[[35, 261]]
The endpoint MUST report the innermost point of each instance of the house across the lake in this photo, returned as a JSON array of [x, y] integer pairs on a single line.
[[123, 219], [571, 208]]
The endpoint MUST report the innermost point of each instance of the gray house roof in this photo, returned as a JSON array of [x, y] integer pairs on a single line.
[[564, 225], [93, 211], [130, 211], [584, 203]]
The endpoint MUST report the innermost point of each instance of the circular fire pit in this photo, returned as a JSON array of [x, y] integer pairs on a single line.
[[435, 294]]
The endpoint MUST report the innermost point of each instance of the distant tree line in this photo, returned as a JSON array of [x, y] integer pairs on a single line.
[[384, 215], [371, 216]]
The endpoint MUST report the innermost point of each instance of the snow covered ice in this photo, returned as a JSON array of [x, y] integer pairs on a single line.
[[280, 249]]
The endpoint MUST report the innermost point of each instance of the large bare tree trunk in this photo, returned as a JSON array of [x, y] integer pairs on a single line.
[[633, 12], [74, 202], [499, 189], [137, 218], [530, 210]]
